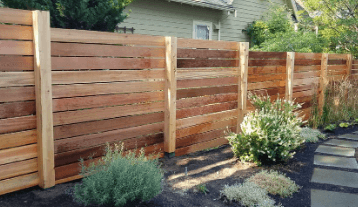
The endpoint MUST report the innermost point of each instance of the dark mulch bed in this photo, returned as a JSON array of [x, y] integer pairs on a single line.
[[214, 168]]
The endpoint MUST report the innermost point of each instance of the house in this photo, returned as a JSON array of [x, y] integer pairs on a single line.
[[198, 19]]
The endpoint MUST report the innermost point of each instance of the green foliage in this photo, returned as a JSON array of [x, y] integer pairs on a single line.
[[344, 124], [311, 135], [248, 194], [275, 183], [270, 133], [330, 127], [99, 15], [117, 179], [202, 188]]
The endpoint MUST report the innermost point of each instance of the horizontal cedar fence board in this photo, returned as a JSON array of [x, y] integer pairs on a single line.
[[18, 183], [303, 93], [18, 168], [205, 53], [78, 129], [205, 127], [270, 91], [337, 56], [16, 109], [266, 70], [195, 92], [307, 68], [337, 72], [16, 63], [98, 151], [335, 78], [308, 56], [69, 117], [75, 49], [16, 32], [304, 99], [211, 99], [306, 75], [205, 73], [10, 47], [267, 55], [9, 79], [70, 77], [212, 44], [354, 66], [262, 78], [266, 62], [337, 67], [17, 94], [305, 81], [355, 62], [188, 83], [303, 88], [75, 63], [264, 85], [212, 108], [203, 137], [195, 120], [60, 91], [200, 146], [354, 71], [65, 104], [336, 62], [202, 63], [305, 62], [18, 154], [18, 139], [83, 36], [17, 124], [15, 16]]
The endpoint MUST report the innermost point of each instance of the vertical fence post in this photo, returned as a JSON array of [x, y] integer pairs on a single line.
[[43, 92], [242, 86], [349, 65], [290, 65], [170, 95], [323, 81]]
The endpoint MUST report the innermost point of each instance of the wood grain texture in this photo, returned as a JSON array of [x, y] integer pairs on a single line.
[[17, 124], [212, 44], [16, 109], [195, 92], [10, 47], [75, 63], [201, 146], [17, 94], [203, 63], [262, 78], [336, 62], [266, 70], [205, 53], [206, 73], [307, 68], [306, 81], [18, 154], [10, 79], [18, 183], [266, 62], [82, 36], [309, 56], [200, 101], [18, 168], [16, 32], [205, 82], [206, 109], [264, 85], [306, 62], [16, 63], [337, 56], [306, 75], [93, 50], [290, 66], [18, 139], [15, 16], [323, 82], [267, 55]]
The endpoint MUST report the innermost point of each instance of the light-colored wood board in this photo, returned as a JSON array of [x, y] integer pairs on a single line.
[[303, 93], [71, 77], [17, 124], [19, 183], [75, 63], [203, 63], [267, 84], [18, 139], [309, 68], [212, 44], [262, 78], [10, 47], [197, 129], [306, 75], [18, 154], [290, 66], [17, 94], [205, 82], [16, 63], [266, 70], [335, 72], [10, 79], [68, 179], [205, 53], [267, 62], [66, 104], [306, 81], [69, 117], [93, 50], [335, 78], [15, 16], [16, 32], [323, 81], [354, 66], [267, 55], [308, 56], [337, 56], [206, 109], [211, 99], [18, 168], [16, 109], [83, 36], [337, 67], [60, 91], [200, 146], [195, 120], [197, 74], [195, 92]]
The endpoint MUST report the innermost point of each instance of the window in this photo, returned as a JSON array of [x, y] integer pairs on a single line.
[[202, 30]]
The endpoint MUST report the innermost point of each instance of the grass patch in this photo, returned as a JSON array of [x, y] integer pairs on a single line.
[[311, 135], [202, 188]]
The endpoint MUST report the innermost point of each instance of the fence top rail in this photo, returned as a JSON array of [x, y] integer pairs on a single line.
[[267, 55], [208, 44], [338, 56], [308, 56], [15, 16]]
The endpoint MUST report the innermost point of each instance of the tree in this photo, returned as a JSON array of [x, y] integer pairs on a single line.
[[99, 15], [338, 21]]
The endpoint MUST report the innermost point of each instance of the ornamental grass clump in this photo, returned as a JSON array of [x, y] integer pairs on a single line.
[[311, 135], [270, 133], [117, 179]]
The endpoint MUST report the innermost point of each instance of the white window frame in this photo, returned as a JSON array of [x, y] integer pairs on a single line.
[[210, 24]]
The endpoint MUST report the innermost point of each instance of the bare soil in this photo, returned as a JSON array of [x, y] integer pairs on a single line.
[[213, 168]]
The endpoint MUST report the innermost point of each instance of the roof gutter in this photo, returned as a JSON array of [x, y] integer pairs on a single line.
[[206, 5]]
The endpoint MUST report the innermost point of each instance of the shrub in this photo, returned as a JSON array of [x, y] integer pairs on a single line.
[[248, 194], [330, 127], [311, 135], [270, 133], [275, 183], [118, 178]]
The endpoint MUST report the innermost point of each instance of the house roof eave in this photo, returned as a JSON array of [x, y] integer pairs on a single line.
[[205, 4]]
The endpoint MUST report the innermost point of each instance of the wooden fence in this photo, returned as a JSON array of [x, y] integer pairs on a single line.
[[65, 93]]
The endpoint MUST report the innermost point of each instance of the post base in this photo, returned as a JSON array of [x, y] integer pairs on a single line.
[[169, 155]]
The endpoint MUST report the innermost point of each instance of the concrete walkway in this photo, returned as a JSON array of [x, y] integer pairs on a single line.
[[332, 161]]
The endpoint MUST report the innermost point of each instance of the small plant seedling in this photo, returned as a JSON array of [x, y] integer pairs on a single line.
[[344, 124], [202, 188], [330, 127], [355, 121]]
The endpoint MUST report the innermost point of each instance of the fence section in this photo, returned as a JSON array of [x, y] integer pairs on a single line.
[[354, 70], [18, 136], [338, 67], [106, 88]]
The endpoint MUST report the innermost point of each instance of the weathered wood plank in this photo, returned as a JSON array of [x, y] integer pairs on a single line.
[[242, 84], [337, 67], [307, 68], [267, 55], [305, 62], [337, 56], [17, 124], [266, 62], [16, 63], [306, 81], [10, 47], [16, 109], [266, 70], [15, 16], [206, 82], [204, 53], [211, 99], [309, 56], [18, 154], [264, 85], [262, 78], [201, 146], [195, 92], [289, 75], [206, 73], [18, 183], [337, 62], [303, 93], [10, 79], [323, 81], [202, 63], [17, 94], [18, 139], [213, 108], [18, 168], [306, 75], [16, 32], [212, 44]]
